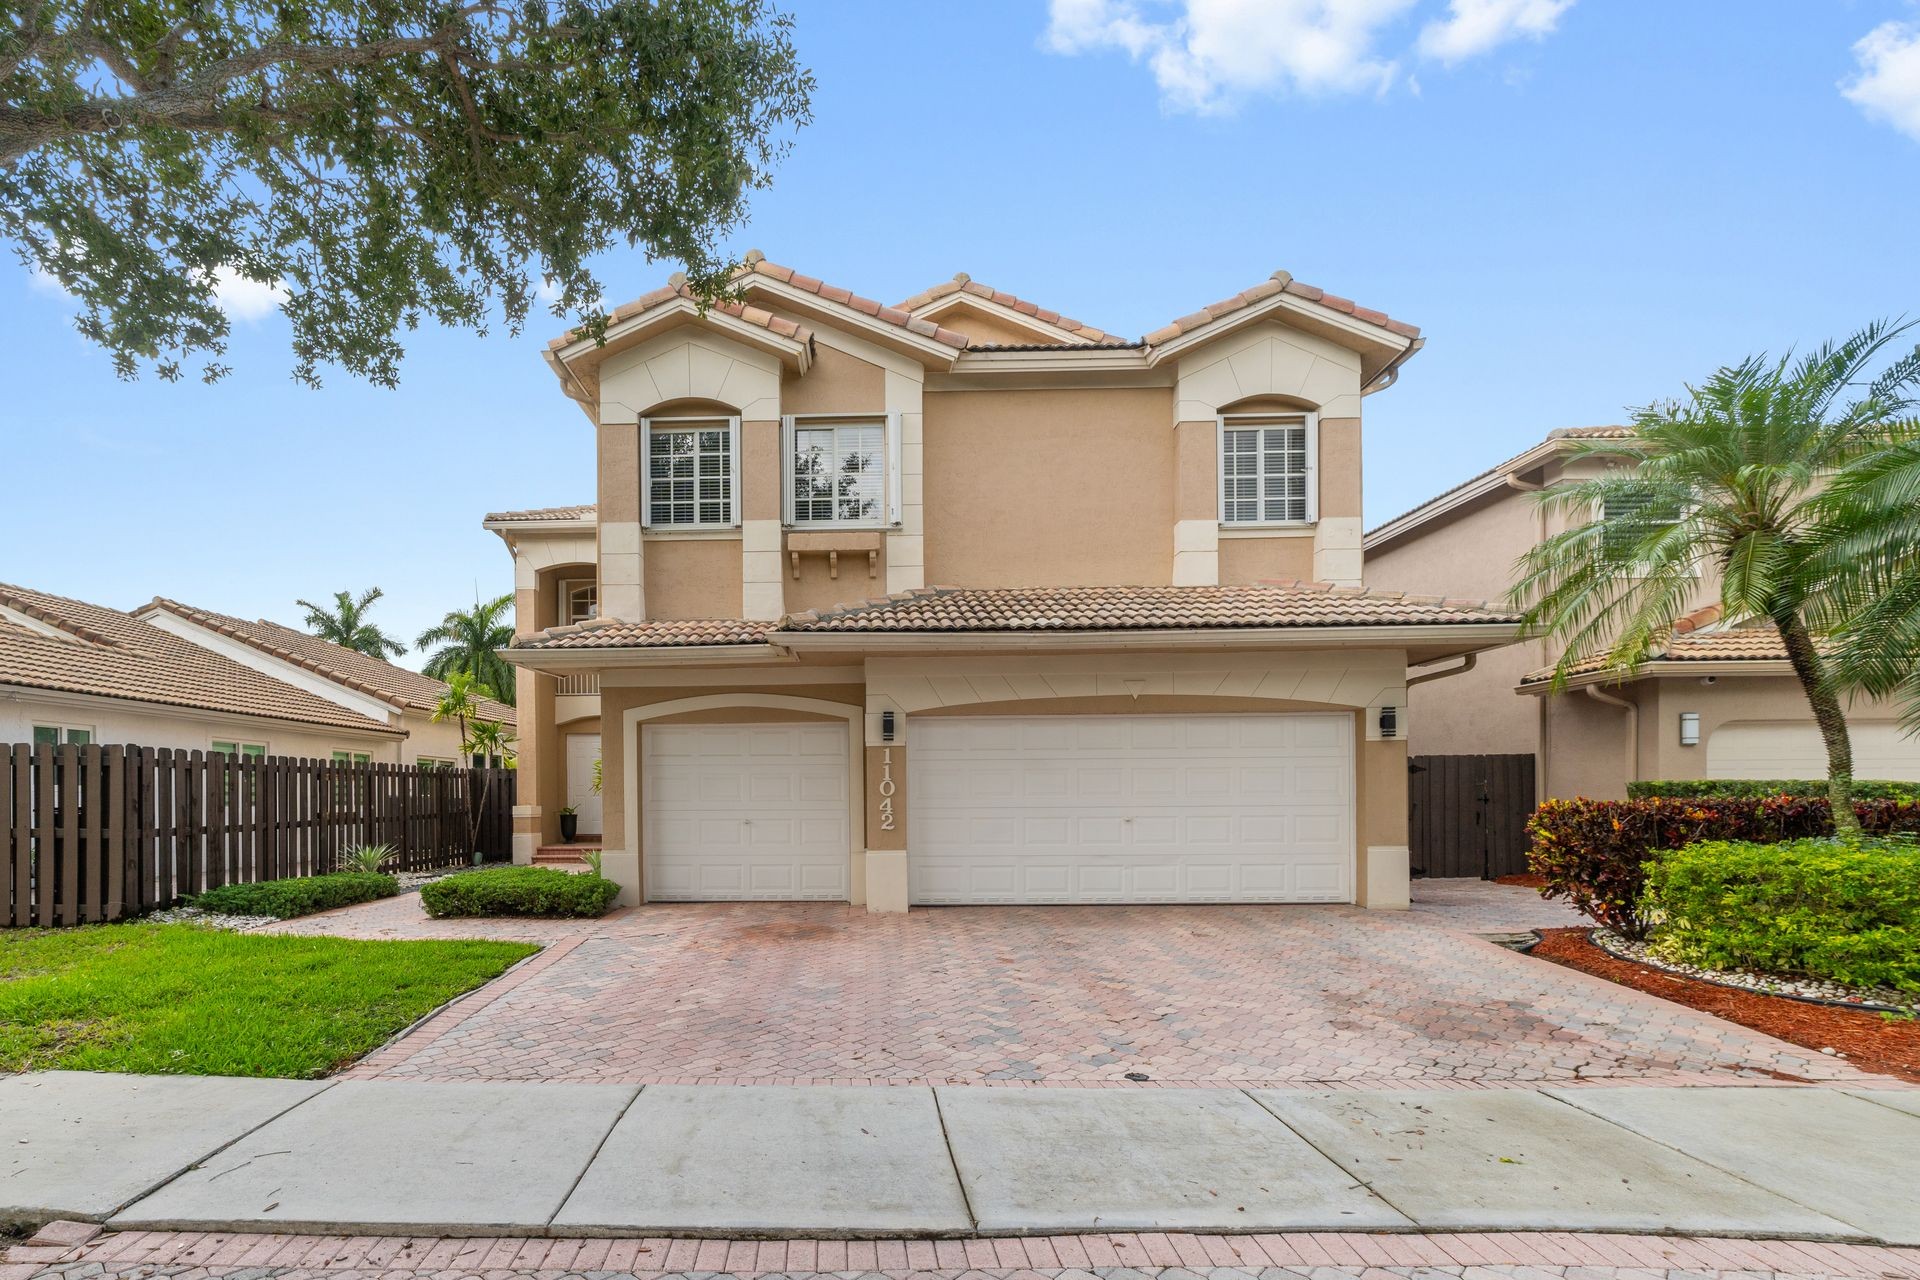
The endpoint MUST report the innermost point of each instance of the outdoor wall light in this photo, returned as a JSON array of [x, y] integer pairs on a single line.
[[1389, 723], [1689, 728], [886, 726]]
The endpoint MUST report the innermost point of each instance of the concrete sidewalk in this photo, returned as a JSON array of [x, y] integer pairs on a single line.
[[406, 1158]]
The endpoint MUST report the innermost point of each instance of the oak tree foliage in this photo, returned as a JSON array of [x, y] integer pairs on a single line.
[[383, 162]]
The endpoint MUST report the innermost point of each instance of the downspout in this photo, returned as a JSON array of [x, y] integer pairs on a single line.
[[1633, 727], [1465, 666], [1391, 374]]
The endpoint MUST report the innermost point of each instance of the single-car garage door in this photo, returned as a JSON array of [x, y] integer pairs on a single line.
[[737, 811], [1793, 749], [1231, 808]]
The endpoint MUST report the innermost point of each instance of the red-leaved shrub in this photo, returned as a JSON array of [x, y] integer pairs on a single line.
[[1594, 853]]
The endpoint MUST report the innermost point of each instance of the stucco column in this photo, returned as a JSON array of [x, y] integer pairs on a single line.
[[620, 829], [1336, 538], [536, 810], [1196, 503], [881, 879], [622, 570], [1382, 873], [907, 544], [763, 581]]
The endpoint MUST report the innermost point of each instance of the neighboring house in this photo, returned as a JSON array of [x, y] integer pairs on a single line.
[[170, 676], [1078, 659], [1714, 701]]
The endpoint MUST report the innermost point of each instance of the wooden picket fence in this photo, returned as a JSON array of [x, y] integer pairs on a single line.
[[92, 833]]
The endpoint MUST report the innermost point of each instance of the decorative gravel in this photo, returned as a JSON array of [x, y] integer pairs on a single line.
[[212, 919], [1819, 989], [411, 880]]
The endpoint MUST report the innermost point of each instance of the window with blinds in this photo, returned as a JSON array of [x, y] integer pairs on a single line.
[[1267, 470], [692, 467], [839, 472]]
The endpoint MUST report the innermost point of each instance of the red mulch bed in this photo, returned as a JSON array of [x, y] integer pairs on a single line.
[[1871, 1042], [1525, 879]]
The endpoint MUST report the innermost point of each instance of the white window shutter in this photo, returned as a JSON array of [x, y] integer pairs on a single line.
[[733, 465], [646, 475], [1313, 468], [1220, 467], [786, 468], [893, 468]]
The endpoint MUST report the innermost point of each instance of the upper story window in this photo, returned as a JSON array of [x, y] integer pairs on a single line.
[[579, 601], [692, 478], [842, 471], [1269, 468]]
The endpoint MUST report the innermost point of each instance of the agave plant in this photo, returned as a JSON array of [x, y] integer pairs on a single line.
[[368, 858]]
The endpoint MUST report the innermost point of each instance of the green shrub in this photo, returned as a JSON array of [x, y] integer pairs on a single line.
[[519, 891], [1594, 853], [302, 896], [1754, 788], [1814, 908]]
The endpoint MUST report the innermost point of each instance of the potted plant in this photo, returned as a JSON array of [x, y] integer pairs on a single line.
[[569, 823]]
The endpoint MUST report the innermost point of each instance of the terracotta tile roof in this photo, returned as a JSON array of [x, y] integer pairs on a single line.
[[756, 264], [585, 511], [676, 287], [1279, 604], [1279, 282], [963, 283], [1525, 456], [107, 653], [1697, 637], [608, 633], [356, 670]]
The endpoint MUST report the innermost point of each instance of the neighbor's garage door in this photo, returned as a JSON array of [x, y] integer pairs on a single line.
[[744, 811], [1253, 808], [1793, 749]]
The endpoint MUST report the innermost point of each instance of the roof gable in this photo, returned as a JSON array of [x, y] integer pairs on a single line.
[[963, 295]]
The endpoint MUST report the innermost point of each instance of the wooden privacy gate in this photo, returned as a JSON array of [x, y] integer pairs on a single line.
[[1467, 815], [104, 832]]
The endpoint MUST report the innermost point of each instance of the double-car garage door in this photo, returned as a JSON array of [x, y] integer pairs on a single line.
[[1016, 809]]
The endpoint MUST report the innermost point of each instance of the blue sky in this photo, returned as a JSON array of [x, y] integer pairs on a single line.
[[1583, 205]]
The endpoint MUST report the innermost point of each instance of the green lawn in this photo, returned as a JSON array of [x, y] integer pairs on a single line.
[[187, 1000]]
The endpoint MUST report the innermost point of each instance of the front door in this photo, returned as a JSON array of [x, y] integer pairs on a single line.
[[582, 750]]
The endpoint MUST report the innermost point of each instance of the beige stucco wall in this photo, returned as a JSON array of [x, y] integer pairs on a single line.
[[838, 382], [693, 577], [1245, 559], [1062, 487], [134, 724]]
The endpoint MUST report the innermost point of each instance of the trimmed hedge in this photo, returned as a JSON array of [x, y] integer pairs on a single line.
[[1594, 853], [519, 891], [1754, 788], [1814, 908], [301, 896]]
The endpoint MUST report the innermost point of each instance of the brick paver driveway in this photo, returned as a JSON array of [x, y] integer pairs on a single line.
[[1213, 995]]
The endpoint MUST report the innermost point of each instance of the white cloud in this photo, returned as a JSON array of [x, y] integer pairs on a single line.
[[244, 299], [1473, 27], [41, 280], [1887, 87], [1206, 54]]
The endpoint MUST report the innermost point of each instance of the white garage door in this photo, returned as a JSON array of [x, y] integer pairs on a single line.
[[1793, 749], [744, 811], [1253, 808]]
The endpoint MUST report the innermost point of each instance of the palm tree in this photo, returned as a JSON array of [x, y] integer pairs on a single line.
[[486, 741], [459, 703], [1873, 553], [345, 624], [1730, 479], [470, 641]]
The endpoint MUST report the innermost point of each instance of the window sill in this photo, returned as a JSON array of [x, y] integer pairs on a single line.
[[1292, 529], [691, 533]]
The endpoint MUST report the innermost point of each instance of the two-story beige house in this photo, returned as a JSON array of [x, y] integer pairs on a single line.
[[1713, 701], [962, 601]]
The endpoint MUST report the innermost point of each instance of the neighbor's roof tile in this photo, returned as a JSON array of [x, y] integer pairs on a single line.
[[106, 653], [349, 667], [1696, 638]]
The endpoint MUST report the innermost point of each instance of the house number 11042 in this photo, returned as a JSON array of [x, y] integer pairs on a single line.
[[886, 789]]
